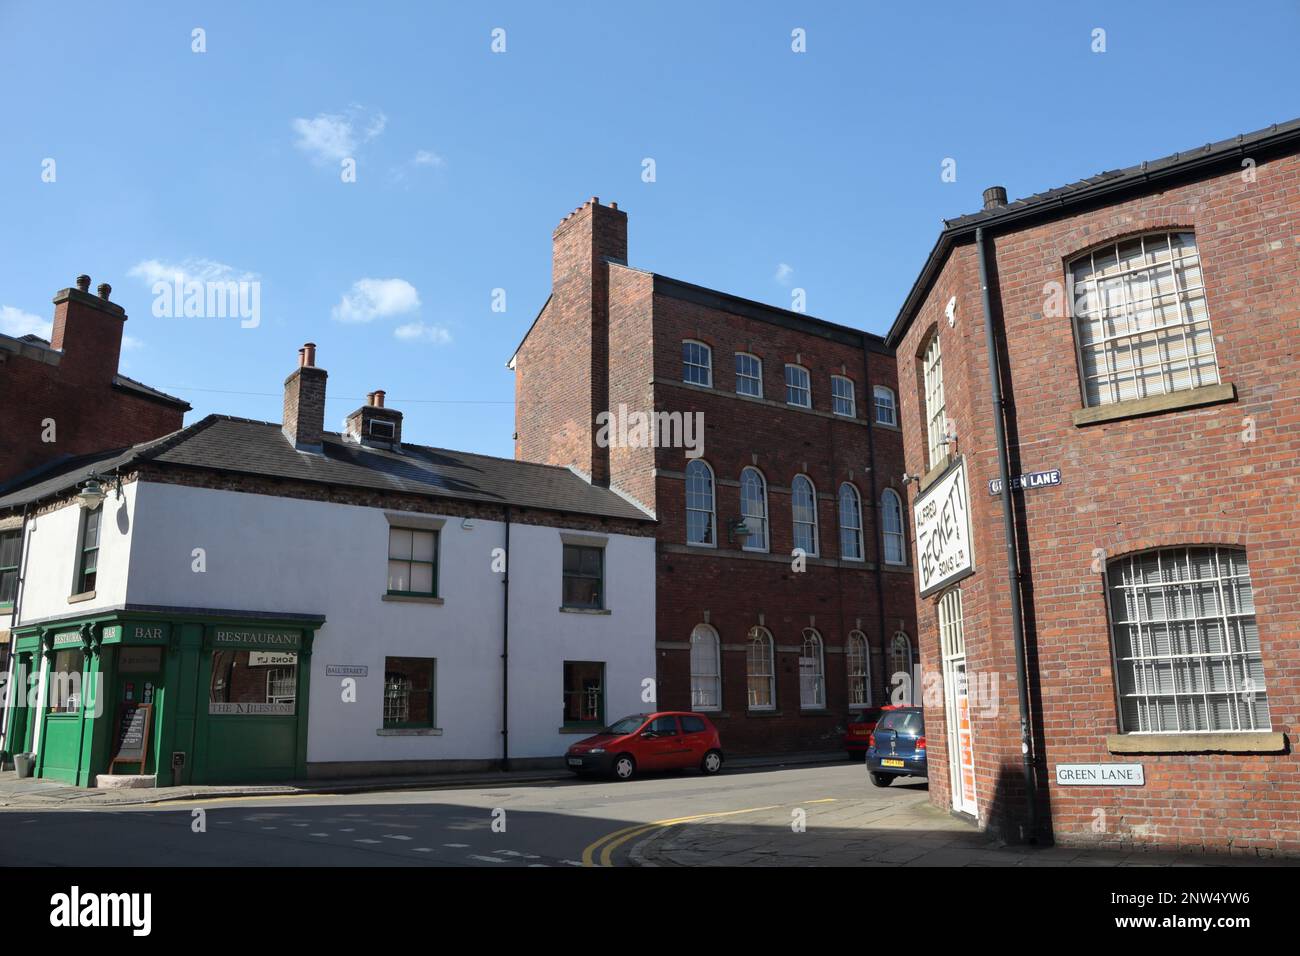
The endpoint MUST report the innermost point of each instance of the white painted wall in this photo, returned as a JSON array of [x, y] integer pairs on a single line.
[[52, 554], [282, 554]]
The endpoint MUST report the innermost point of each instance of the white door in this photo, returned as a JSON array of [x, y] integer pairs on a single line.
[[956, 692]]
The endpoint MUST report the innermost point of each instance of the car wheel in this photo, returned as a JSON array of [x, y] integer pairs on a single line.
[[882, 779], [624, 767], [712, 762]]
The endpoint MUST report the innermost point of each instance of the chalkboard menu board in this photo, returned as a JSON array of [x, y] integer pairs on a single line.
[[132, 734]]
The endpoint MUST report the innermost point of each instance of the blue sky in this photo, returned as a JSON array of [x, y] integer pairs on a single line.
[[774, 170]]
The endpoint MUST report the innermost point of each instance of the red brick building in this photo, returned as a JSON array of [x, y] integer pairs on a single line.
[[800, 444], [65, 397], [1144, 324]]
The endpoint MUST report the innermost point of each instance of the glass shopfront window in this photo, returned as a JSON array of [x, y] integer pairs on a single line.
[[253, 682], [64, 696]]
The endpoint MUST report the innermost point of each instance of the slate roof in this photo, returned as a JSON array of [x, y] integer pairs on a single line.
[[1108, 185], [242, 446]]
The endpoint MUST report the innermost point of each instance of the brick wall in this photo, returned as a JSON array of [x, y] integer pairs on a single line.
[[1182, 477]]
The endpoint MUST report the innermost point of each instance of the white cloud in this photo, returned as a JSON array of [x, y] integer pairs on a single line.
[[372, 299], [420, 332], [331, 137], [783, 273], [426, 157], [16, 322], [189, 270], [130, 343]]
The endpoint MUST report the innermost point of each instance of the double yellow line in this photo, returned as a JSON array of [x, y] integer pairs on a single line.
[[610, 842]]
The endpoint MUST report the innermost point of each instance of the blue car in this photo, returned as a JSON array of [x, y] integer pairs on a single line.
[[897, 746]]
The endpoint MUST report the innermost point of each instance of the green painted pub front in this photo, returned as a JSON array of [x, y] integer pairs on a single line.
[[218, 699]]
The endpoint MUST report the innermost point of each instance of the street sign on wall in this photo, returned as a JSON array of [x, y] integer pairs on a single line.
[[944, 552], [1100, 775]]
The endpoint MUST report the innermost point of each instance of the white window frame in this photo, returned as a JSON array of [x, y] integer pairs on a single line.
[[794, 513], [892, 527], [1122, 326], [812, 679], [690, 361], [936, 410], [760, 636], [757, 515], [806, 387], [856, 529], [711, 511], [856, 638], [745, 376], [890, 404], [703, 679], [900, 640], [837, 399], [1141, 612]]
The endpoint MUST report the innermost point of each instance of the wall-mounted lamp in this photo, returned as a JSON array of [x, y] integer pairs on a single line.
[[92, 493], [736, 528]]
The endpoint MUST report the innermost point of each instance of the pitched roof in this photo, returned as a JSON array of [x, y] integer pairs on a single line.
[[242, 446], [1104, 187]]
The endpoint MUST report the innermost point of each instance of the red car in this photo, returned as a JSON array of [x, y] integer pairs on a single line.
[[665, 740], [857, 733]]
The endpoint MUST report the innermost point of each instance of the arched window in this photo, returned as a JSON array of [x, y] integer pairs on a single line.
[[760, 670], [804, 500], [706, 673], [891, 526], [812, 671], [1140, 319], [936, 415], [900, 664], [753, 508], [697, 363], [858, 664], [886, 406], [701, 522], [850, 523]]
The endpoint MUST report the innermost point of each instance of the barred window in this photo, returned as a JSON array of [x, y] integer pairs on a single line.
[[409, 691], [859, 668], [1140, 319], [936, 416], [700, 517], [753, 508], [706, 676], [697, 363], [842, 400], [760, 671], [804, 500], [850, 523], [1186, 644], [798, 389], [749, 375]]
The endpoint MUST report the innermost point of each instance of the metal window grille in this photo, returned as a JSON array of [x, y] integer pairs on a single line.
[[697, 364], [798, 391], [1186, 644], [842, 398], [936, 416], [397, 698], [850, 523], [753, 508], [1141, 322], [749, 375], [804, 503], [700, 519], [281, 685]]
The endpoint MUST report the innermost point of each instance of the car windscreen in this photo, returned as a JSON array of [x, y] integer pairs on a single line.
[[625, 726], [903, 721]]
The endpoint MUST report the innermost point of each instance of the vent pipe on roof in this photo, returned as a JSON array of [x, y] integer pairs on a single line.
[[995, 197]]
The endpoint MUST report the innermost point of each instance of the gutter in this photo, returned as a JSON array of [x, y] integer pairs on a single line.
[[1013, 560]]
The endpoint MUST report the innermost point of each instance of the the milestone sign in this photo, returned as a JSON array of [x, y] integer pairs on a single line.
[[943, 544]]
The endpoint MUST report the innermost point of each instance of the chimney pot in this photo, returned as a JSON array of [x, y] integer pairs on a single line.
[[995, 197], [595, 200], [379, 398], [309, 354], [83, 283], [105, 290], [613, 205]]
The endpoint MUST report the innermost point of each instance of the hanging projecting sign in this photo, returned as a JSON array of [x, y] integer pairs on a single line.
[[943, 544], [1034, 479]]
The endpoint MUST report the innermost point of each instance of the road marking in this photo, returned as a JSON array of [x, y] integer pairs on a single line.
[[364, 840], [318, 834], [610, 842], [396, 836], [487, 859], [457, 846]]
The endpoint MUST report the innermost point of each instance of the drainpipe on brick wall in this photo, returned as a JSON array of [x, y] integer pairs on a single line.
[[505, 653], [869, 396], [1013, 558]]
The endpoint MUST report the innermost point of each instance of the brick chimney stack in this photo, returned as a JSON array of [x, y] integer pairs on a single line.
[[373, 424], [304, 402], [88, 331]]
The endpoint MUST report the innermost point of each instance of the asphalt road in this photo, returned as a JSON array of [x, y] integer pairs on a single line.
[[571, 823]]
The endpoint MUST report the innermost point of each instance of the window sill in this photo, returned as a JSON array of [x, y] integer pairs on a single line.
[[585, 731], [934, 474], [409, 732], [412, 599], [83, 596], [1231, 742], [1174, 401], [584, 610], [891, 426]]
